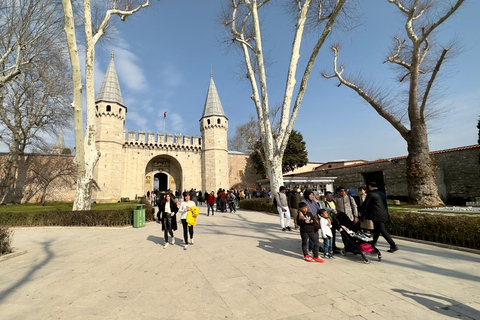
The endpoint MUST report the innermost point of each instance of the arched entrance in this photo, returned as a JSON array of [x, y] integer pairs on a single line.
[[163, 173], [161, 182]]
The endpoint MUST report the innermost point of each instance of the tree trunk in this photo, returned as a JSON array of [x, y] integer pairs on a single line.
[[275, 174], [10, 172], [422, 189]]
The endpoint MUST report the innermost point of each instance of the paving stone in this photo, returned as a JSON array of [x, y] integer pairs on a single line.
[[240, 267]]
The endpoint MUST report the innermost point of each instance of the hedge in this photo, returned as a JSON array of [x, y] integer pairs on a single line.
[[91, 218], [262, 204], [462, 231]]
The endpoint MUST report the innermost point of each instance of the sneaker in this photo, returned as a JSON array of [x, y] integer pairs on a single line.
[[289, 229], [307, 258], [173, 240], [296, 228], [283, 229], [191, 241], [165, 246], [393, 249], [310, 253], [185, 247], [318, 260], [331, 255]]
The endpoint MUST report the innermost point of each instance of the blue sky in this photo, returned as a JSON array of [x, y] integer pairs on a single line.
[[164, 55]]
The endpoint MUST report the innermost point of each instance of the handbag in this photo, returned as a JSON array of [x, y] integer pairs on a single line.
[[367, 224], [316, 223]]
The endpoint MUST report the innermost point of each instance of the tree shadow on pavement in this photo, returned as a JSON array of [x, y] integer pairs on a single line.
[[442, 305], [420, 265], [50, 255]]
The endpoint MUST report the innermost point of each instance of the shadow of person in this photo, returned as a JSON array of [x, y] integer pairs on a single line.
[[155, 239], [442, 305]]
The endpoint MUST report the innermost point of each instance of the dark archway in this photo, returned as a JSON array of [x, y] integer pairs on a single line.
[[161, 181]]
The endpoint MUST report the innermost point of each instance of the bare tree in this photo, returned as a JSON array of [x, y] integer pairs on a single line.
[[243, 23], [44, 170], [33, 83], [412, 56], [86, 151], [247, 134]]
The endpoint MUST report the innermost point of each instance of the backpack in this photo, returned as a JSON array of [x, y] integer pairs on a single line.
[[275, 204]]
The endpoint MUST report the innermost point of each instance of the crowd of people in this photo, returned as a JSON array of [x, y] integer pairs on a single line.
[[313, 215], [316, 217]]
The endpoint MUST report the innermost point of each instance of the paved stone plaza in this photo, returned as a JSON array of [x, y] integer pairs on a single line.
[[242, 266]]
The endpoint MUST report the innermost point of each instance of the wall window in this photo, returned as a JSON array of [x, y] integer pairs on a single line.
[[109, 108], [208, 121], [218, 121]]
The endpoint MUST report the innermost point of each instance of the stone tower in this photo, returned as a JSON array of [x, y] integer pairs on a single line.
[[110, 113], [214, 128]]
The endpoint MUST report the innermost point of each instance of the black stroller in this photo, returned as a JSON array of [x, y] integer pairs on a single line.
[[353, 239]]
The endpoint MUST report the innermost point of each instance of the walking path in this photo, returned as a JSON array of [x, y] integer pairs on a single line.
[[242, 266]]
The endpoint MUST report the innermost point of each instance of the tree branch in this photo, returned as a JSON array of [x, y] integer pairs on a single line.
[[380, 110], [430, 83]]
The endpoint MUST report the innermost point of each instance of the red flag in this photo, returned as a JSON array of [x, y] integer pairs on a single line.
[[164, 114]]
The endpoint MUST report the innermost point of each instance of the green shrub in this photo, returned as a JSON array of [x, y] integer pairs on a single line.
[[5, 240], [149, 210], [463, 231], [262, 204], [69, 218]]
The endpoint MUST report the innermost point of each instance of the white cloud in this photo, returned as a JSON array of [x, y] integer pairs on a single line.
[[130, 73], [140, 121], [174, 124], [172, 76]]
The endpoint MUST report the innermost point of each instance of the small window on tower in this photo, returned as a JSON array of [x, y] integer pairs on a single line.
[[218, 121], [119, 110], [208, 121], [109, 108]]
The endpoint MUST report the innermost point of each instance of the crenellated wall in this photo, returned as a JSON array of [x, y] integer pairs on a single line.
[[166, 141]]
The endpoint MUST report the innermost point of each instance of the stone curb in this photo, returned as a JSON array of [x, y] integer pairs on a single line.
[[437, 244], [12, 255]]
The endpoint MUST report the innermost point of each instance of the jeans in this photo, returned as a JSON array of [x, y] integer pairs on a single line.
[[327, 245], [210, 206], [311, 243], [310, 236], [231, 206], [223, 205]]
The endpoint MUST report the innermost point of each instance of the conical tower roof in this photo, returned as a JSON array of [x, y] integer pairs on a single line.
[[213, 106], [110, 89], [59, 144]]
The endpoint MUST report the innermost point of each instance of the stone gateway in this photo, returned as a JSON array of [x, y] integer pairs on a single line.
[[129, 165]]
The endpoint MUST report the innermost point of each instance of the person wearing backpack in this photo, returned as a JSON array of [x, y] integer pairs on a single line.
[[280, 201]]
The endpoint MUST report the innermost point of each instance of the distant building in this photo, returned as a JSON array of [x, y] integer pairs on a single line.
[[457, 174]]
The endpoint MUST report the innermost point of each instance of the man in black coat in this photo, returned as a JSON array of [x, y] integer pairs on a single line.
[[376, 209]]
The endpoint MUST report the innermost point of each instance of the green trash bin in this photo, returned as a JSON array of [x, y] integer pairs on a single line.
[[139, 216]]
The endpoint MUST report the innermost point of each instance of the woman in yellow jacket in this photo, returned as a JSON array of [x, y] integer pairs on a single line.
[[186, 207]]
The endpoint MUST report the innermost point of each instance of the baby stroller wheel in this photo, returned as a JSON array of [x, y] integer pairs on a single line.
[[379, 257], [342, 252], [367, 261]]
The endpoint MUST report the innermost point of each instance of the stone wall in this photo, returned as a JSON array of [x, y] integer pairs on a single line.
[[458, 174], [27, 190], [242, 172]]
